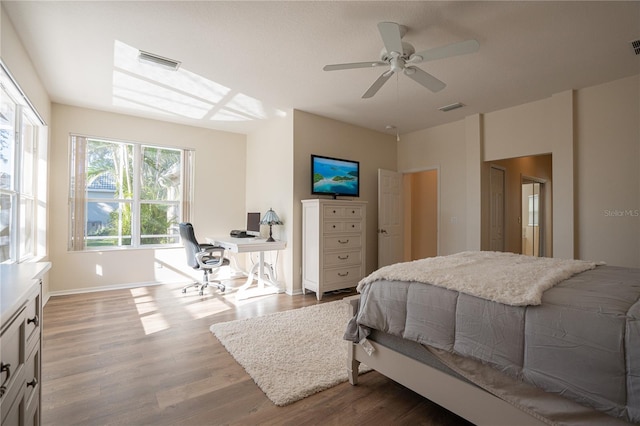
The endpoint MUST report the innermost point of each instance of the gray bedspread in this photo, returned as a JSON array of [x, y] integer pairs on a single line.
[[582, 342]]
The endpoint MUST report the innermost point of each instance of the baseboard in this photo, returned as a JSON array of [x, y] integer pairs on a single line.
[[109, 287]]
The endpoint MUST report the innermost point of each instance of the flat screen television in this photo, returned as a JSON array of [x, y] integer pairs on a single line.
[[335, 176]]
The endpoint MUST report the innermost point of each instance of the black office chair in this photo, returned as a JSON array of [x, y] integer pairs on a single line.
[[202, 256]]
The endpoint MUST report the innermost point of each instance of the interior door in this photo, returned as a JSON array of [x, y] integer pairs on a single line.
[[390, 243], [532, 217]]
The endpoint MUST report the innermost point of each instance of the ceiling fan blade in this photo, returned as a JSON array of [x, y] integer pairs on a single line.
[[391, 36], [453, 49], [424, 78], [377, 84], [354, 65]]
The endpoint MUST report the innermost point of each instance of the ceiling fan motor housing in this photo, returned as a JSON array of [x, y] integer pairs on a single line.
[[407, 51]]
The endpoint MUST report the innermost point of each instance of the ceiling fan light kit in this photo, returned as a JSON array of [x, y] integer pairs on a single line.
[[399, 56]]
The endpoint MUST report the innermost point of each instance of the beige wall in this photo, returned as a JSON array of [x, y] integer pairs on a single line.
[[541, 127], [219, 199], [444, 148], [608, 172], [314, 134], [16, 59], [592, 134]]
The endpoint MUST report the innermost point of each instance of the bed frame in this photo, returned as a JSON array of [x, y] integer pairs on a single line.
[[471, 402]]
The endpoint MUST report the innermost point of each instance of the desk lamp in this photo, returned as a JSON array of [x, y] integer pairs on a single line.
[[270, 218]]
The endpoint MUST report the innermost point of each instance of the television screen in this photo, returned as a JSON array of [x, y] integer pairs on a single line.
[[334, 176]]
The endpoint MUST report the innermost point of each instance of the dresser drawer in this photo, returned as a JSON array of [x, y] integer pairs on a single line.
[[353, 257], [12, 354], [347, 275], [342, 212], [32, 376], [342, 242], [342, 226]]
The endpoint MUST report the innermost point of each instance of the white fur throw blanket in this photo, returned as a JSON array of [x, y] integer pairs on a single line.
[[508, 278]]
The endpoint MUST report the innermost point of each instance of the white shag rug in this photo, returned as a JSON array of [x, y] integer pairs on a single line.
[[291, 354]]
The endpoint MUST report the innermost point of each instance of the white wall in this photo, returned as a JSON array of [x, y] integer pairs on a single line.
[[219, 201], [270, 185]]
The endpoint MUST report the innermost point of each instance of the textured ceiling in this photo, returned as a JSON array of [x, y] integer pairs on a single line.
[[262, 58]]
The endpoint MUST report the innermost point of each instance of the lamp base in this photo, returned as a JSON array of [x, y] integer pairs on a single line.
[[270, 239]]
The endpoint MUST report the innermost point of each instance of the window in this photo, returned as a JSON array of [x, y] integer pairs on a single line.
[[22, 188], [126, 194]]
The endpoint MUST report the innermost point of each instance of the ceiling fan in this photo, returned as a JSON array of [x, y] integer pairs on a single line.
[[401, 56]]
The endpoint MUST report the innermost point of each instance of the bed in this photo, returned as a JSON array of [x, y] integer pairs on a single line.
[[500, 338]]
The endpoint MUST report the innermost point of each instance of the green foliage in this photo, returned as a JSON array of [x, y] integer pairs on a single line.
[[159, 176]]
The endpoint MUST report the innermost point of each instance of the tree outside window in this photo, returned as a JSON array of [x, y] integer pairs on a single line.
[[132, 194]]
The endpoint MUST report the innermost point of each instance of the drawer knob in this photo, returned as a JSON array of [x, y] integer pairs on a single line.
[[33, 383], [343, 275], [35, 320], [343, 258], [343, 242]]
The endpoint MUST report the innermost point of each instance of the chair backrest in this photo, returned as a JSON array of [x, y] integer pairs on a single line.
[[190, 244]]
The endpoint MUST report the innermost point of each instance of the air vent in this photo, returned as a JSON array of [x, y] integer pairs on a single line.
[[158, 60], [451, 107], [635, 44]]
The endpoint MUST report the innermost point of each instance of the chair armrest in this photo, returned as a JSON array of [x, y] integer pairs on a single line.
[[207, 253]]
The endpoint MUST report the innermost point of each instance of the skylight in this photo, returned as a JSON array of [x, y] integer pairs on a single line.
[[149, 87]]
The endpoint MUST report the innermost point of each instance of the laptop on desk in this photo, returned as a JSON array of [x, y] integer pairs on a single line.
[[253, 227]]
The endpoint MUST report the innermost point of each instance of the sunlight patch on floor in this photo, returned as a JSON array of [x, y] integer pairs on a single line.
[[211, 307]]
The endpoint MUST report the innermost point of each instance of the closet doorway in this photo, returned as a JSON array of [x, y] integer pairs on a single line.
[[421, 224], [511, 188]]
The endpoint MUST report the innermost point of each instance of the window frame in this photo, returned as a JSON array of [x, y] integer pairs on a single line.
[[25, 240], [181, 205]]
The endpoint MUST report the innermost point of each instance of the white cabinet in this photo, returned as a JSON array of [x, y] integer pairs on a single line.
[[333, 244]]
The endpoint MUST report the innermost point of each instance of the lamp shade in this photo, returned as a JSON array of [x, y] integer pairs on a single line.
[[270, 218]]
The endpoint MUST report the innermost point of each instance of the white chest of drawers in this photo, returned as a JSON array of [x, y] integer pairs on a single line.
[[20, 342], [333, 244]]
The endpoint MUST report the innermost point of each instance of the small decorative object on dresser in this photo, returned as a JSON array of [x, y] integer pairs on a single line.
[[333, 244]]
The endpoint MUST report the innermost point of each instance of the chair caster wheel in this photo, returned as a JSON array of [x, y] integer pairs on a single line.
[[222, 289], [201, 293], [184, 290]]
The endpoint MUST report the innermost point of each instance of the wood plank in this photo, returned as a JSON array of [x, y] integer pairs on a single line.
[[146, 356]]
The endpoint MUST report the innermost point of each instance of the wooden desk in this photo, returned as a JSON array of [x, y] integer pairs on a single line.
[[250, 245]]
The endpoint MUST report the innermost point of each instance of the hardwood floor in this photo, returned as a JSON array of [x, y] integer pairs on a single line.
[[145, 356]]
